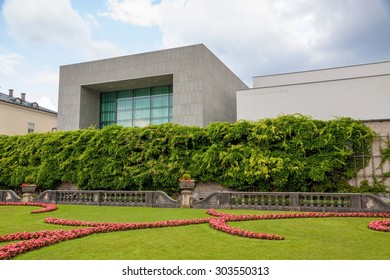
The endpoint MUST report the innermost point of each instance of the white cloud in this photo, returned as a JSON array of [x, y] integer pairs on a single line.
[[38, 81], [46, 103], [91, 20], [41, 21], [139, 12], [9, 61], [44, 77], [257, 36]]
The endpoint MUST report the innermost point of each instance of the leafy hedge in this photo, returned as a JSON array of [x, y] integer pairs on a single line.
[[288, 153]]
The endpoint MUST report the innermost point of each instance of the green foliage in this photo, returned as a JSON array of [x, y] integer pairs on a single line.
[[29, 179], [365, 187], [386, 153], [288, 153], [186, 176]]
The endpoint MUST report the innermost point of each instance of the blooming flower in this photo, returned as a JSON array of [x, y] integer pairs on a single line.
[[47, 207]]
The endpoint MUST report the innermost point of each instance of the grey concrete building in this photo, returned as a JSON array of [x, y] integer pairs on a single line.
[[186, 85]]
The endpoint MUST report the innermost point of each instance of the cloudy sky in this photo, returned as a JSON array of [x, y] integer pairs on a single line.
[[252, 37]]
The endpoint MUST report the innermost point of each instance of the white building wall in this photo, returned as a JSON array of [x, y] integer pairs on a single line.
[[321, 75], [361, 92]]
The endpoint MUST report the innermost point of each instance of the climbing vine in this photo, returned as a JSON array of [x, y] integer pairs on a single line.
[[288, 153]]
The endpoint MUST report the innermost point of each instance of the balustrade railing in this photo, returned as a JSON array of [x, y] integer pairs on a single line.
[[323, 200], [291, 201], [294, 201], [120, 198], [248, 200]]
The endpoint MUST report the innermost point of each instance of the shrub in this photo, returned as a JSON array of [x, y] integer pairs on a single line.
[[186, 176], [29, 179], [288, 153]]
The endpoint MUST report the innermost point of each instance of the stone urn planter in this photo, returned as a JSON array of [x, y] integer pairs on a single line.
[[28, 189], [187, 185]]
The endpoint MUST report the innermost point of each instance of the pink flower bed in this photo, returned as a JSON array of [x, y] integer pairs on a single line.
[[220, 224], [47, 207], [381, 225], [232, 217], [34, 240]]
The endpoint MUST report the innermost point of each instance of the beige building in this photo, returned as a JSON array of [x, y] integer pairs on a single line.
[[18, 116]]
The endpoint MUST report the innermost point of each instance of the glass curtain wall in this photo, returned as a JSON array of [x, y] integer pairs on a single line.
[[137, 107]]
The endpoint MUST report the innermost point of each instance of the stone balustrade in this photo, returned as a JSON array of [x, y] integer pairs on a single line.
[[277, 201], [111, 198], [294, 201]]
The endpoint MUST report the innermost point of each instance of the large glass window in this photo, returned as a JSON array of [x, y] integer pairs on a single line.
[[108, 109], [138, 107]]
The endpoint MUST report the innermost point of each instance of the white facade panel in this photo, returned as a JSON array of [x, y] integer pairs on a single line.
[[323, 75], [363, 96]]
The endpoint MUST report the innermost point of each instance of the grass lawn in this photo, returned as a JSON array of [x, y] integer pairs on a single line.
[[305, 239]]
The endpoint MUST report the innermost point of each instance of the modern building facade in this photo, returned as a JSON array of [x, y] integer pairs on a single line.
[[186, 85], [361, 92], [18, 116]]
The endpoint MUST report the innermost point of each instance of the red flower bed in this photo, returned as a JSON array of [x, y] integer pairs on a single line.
[[47, 207], [35, 240], [220, 224], [381, 225]]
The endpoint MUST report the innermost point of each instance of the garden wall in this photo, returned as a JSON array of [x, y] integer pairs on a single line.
[[276, 201]]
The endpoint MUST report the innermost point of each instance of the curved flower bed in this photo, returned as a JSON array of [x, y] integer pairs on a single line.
[[232, 217], [381, 225], [47, 207], [39, 239], [220, 223], [126, 226], [34, 240]]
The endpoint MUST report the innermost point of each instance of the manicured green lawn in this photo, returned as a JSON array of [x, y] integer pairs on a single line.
[[305, 239]]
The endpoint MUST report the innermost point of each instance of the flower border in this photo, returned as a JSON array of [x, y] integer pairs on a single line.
[[380, 225], [47, 207]]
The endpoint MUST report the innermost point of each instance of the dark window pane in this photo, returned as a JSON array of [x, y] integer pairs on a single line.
[[125, 94], [142, 92], [160, 90]]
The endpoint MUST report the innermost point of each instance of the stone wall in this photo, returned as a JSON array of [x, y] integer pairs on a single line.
[[377, 168]]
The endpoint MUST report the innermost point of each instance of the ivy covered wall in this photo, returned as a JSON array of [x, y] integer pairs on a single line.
[[288, 153]]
